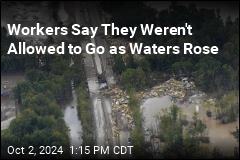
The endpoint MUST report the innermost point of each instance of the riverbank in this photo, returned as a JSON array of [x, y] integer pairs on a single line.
[[188, 98]]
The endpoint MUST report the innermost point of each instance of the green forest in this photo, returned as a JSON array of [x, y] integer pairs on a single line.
[[216, 75], [48, 79], [46, 87], [212, 73]]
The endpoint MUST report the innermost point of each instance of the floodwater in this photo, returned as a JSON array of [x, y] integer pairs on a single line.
[[220, 135], [151, 108], [12, 79], [5, 124], [74, 124], [96, 98], [100, 119], [8, 107], [105, 59], [93, 85], [97, 59], [98, 63]]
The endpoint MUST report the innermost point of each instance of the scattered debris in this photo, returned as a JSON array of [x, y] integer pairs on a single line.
[[179, 91], [120, 107]]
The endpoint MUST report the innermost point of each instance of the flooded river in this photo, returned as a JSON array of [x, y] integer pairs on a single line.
[[5, 124], [152, 107], [8, 106], [220, 135], [74, 124]]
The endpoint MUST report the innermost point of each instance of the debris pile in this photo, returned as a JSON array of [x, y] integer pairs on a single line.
[[176, 89], [120, 108]]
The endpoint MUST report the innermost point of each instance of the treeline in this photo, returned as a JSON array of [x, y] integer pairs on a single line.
[[184, 138], [12, 63], [20, 63], [212, 73], [137, 135], [46, 87], [84, 108], [215, 74], [40, 122]]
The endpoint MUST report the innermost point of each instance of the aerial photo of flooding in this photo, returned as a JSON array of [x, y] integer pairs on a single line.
[[159, 102]]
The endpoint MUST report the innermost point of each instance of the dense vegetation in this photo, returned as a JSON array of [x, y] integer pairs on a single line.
[[11, 63], [40, 97], [228, 107], [85, 112], [178, 133], [48, 79], [217, 75], [40, 121], [136, 134], [214, 74]]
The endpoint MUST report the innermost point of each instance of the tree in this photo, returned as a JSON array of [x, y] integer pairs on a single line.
[[110, 7], [206, 71], [31, 129], [133, 14], [20, 89], [138, 143], [133, 78], [118, 65], [181, 140], [11, 62], [49, 40], [59, 65], [130, 61], [137, 133], [216, 154], [227, 107], [171, 128], [35, 75], [144, 65]]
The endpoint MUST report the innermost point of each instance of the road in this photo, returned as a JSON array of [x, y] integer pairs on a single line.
[[108, 73], [101, 104], [96, 22], [98, 65]]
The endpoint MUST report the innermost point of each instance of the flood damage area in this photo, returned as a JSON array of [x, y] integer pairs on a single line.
[[184, 94], [113, 118], [73, 123], [9, 107], [27, 14]]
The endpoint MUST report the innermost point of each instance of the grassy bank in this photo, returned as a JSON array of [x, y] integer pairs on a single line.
[[85, 114], [137, 132]]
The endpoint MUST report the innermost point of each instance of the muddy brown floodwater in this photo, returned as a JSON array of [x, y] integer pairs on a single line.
[[220, 135], [8, 107], [12, 78], [74, 124]]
